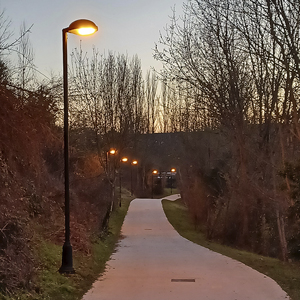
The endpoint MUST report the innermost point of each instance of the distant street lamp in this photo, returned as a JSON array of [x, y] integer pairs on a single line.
[[154, 172], [111, 173], [123, 160], [111, 151], [134, 163], [79, 27], [173, 170]]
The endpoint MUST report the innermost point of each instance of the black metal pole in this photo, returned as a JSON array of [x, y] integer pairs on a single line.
[[171, 183], [136, 186], [114, 183], [131, 185], [106, 163], [67, 257], [152, 185], [120, 175]]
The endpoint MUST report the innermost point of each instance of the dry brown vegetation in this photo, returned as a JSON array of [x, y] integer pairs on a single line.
[[231, 68], [32, 191]]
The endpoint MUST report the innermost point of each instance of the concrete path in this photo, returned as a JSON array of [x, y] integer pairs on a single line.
[[153, 262]]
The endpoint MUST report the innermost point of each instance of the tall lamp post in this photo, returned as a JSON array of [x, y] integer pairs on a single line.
[[123, 160], [154, 172], [133, 163], [173, 170], [111, 173], [111, 152], [79, 27]]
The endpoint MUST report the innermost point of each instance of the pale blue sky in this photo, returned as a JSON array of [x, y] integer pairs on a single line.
[[125, 26]]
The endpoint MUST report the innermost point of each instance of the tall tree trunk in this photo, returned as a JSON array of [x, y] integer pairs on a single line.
[[279, 219], [282, 237]]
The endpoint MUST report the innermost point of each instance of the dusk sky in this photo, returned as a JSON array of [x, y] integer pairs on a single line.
[[125, 26]]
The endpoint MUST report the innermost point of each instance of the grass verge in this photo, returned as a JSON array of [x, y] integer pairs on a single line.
[[169, 191], [50, 284], [166, 192], [287, 275]]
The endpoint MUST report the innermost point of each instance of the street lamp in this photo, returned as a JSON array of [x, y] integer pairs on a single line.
[[123, 160], [111, 173], [112, 151], [79, 27], [173, 170], [154, 172], [133, 163]]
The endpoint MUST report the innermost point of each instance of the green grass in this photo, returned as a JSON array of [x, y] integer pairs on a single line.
[[51, 285], [287, 275], [167, 192]]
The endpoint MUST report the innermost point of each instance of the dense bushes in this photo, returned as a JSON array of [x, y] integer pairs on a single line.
[[258, 209], [32, 190]]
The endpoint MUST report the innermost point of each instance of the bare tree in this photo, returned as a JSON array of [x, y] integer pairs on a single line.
[[239, 62], [25, 74]]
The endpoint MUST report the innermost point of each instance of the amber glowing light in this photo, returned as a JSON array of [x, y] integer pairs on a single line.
[[82, 27], [112, 151]]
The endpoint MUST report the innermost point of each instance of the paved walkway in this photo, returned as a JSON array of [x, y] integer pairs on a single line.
[[153, 262]]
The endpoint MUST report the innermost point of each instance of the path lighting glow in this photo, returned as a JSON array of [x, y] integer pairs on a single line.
[[112, 151], [133, 163], [79, 27], [154, 172], [123, 160], [82, 27], [173, 170], [86, 31]]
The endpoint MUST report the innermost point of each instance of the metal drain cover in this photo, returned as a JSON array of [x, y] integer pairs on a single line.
[[183, 280]]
